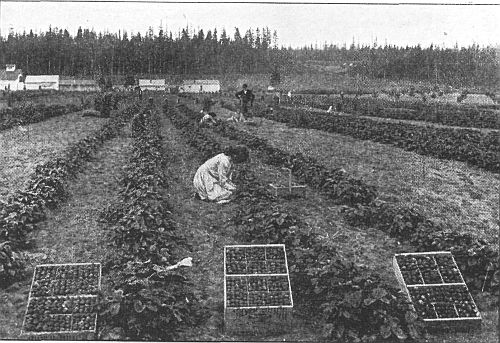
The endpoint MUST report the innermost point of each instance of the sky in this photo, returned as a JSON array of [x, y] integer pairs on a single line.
[[297, 24]]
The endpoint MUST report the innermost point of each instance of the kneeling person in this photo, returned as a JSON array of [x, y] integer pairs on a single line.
[[213, 179]]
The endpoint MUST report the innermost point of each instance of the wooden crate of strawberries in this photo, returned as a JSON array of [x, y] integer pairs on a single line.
[[436, 290], [62, 302], [257, 293]]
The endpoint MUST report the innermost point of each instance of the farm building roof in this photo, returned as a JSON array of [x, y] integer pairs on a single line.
[[41, 78], [157, 82], [10, 75], [200, 82], [69, 82]]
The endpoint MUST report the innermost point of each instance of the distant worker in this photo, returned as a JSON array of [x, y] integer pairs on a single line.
[[276, 98], [246, 96], [208, 119], [340, 105]]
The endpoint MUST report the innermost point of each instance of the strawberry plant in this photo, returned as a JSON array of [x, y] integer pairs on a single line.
[[321, 278], [474, 256], [447, 114], [29, 114], [466, 145], [46, 189], [150, 302], [149, 305], [334, 183]]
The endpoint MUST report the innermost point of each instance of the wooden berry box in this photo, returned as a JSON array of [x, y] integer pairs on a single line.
[[62, 303], [436, 289], [295, 190], [257, 293]]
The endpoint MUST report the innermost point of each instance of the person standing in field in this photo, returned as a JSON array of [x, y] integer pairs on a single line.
[[213, 179], [246, 96]]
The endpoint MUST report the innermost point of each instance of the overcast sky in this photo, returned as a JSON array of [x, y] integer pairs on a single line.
[[296, 24]]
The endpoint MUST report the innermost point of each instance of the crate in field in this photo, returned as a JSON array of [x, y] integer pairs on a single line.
[[290, 189], [62, 303], [257, 293], [436, 290], [295, 190]]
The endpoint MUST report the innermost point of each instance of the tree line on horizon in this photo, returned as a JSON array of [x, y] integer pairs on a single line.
[[88, 54]]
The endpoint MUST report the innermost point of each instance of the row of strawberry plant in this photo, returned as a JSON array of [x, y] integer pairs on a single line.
[[446, 114], [336, 184], [476, 257], [476, 148], [352, 303], [20, 213], [149, 302], [29, 114]]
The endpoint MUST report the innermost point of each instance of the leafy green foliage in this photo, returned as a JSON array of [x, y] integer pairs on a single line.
[[474, 256], [46, 189], [29, 114], [150, 303], [471, 146], [353, 305], [334, 183], [441, 113]]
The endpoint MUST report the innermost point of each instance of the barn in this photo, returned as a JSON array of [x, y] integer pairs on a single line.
[[200, 86], [152, 85], [11, 78], [39, 82], [78, 85]]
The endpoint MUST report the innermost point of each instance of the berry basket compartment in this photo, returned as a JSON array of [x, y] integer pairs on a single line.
[[443, 305], [259, 302], [62, 302], [427, 268]]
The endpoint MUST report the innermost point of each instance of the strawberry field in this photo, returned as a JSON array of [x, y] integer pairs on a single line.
[[304, 267], [447, 114]]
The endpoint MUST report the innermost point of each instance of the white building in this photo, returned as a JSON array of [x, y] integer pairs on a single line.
[[41, 82], [200, 86], [152, 85], [11, 78]]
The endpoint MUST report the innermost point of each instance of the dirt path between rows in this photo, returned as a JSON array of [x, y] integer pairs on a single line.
[[71, 233]]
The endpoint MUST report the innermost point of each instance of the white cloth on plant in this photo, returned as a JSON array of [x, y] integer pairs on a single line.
[[212, 180]]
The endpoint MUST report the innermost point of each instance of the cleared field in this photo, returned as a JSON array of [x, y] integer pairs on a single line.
[[462, 197], [22, 150], [368, 247]]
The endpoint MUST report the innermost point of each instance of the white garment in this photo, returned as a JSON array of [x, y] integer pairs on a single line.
[[207, 118], [212, 180]]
